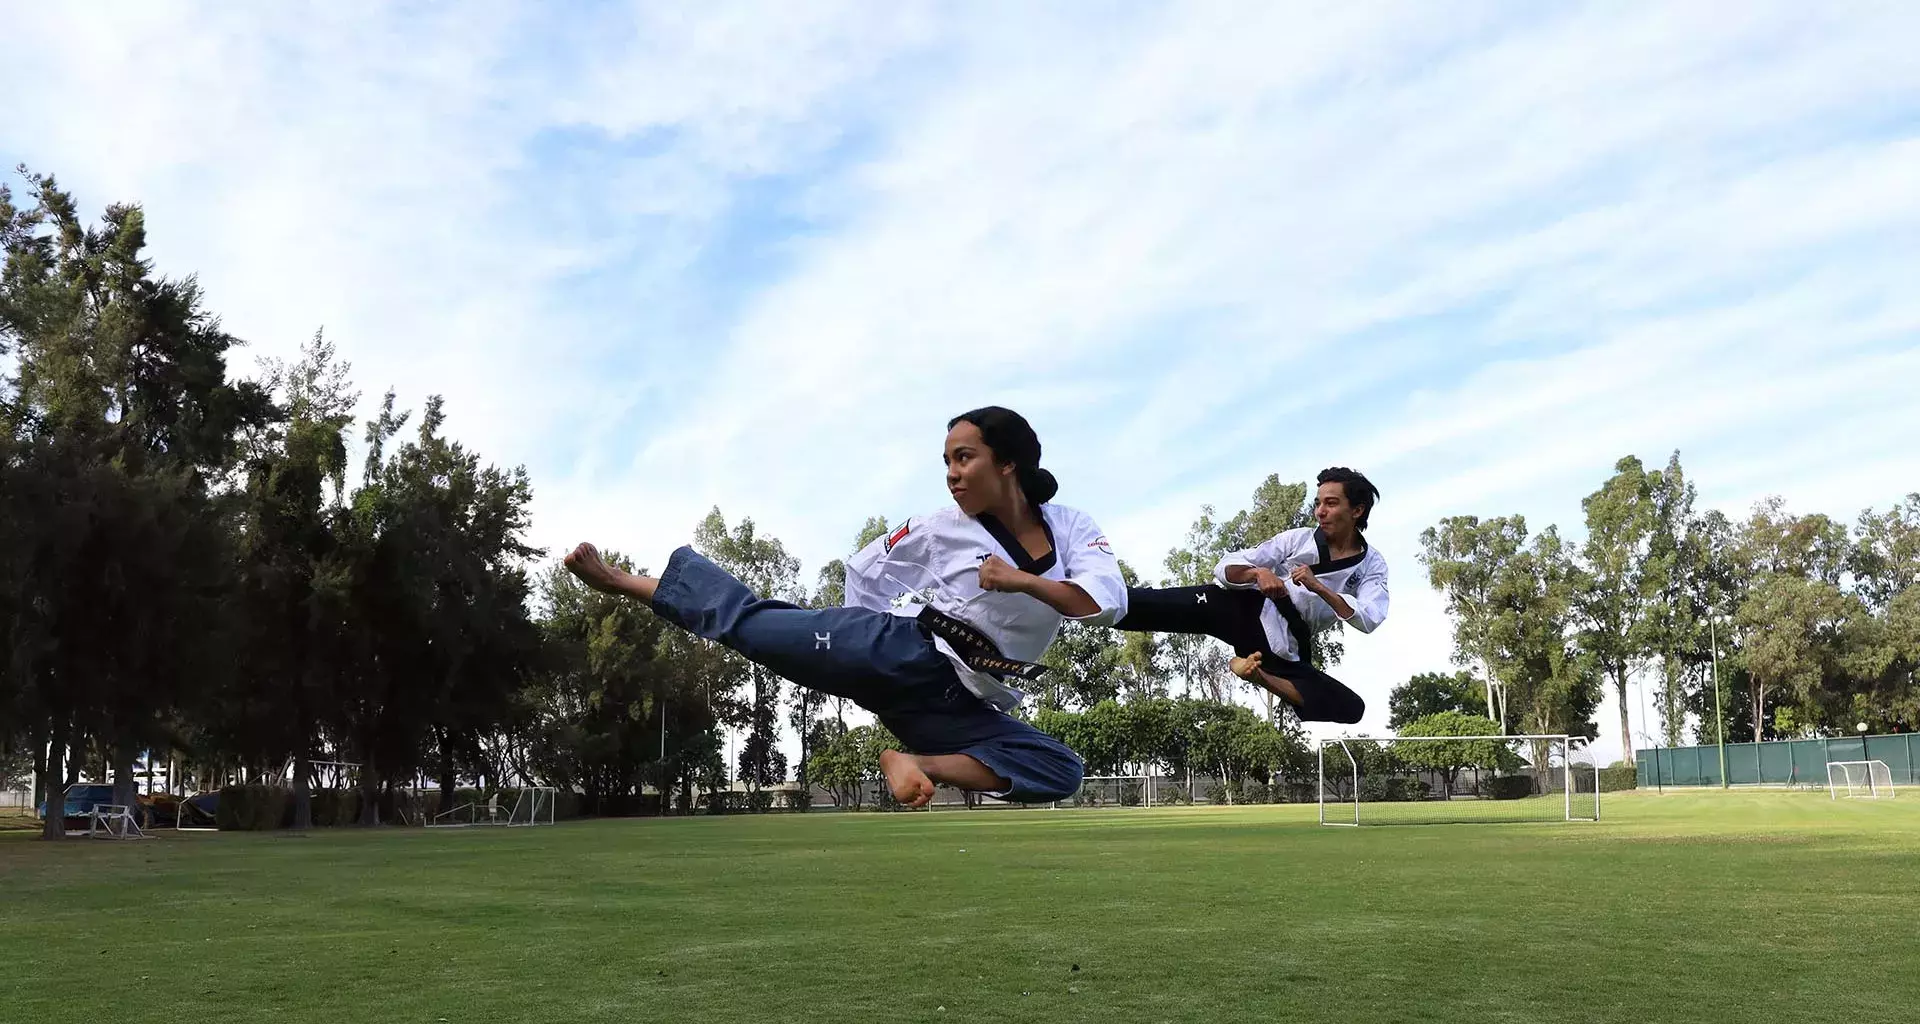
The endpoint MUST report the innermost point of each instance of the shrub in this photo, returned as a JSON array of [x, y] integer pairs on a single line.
[[254, 808], [1391, 789], [1618, 777], [333, 808], [1506, 787]]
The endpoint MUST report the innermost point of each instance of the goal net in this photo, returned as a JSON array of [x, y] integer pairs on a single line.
[[534, 806], [1871, 780], [529, 805], [1112, 791], [1431, 780]]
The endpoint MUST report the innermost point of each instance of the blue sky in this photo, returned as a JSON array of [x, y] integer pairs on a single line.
[[754, 256]]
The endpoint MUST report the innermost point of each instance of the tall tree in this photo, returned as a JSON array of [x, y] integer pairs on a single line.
[[1795, 627], [121, 420], [1618, 585], [1885, 649], [1745, 566], [289, 510], [610, 710], [764, 565], [1777, 542], [1720, 575], [1448, 756], [1464, 556], [1885, 560], [1553, 684], [434, 600], [1084, 665], [1513, 608], [1431, 693], [1677, 600]]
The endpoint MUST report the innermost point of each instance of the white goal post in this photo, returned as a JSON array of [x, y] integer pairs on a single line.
[[1868, 780], [1442, 779], [534, 805]]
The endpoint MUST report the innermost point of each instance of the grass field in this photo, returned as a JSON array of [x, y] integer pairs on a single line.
[[1701, 907]]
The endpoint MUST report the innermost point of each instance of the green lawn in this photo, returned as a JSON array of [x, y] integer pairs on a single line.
[[1689, 908]]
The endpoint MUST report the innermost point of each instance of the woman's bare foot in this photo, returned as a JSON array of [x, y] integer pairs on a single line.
[[585, 562], [908, 781]]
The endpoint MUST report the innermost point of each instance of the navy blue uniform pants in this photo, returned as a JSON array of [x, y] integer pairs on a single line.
[[885, 663]]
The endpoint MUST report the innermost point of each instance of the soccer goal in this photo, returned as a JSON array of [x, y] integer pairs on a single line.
[[535, 806], [529, 805], [1431, 780], [113, 821], [1868, 780], [1112, 791]]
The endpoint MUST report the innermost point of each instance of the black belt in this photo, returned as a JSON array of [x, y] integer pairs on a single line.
[[1302, 636], [975, 648]]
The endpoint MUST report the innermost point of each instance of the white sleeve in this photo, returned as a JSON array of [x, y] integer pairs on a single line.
[[867, 583], [1369, 604], [1091, 566], [1271, 556]]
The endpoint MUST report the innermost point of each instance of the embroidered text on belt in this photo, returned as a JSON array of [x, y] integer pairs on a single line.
[[975, 648]]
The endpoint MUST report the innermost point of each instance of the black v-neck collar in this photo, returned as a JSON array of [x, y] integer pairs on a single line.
[[1022, 560], [1322, 550]]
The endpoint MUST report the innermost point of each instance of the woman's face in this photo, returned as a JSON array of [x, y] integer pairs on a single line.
[[976, 481]]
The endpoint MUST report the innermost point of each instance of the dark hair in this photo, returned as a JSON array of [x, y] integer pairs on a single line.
[[1013, 440], [1361, 493]]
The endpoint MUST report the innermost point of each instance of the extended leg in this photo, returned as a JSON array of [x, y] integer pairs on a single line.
[[912, 777], [1317, 696], [882, 662], [872, 658], [967, 744], [1229, 615], [1248, 667]]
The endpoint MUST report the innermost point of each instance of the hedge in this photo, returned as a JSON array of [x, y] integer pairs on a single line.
[[254, 808], [1618, 777], [1507, 787]]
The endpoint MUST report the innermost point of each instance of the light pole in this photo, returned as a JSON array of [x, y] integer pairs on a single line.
[[1719, 719]]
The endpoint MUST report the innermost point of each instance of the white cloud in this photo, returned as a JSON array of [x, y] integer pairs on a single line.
[[1479, 251]]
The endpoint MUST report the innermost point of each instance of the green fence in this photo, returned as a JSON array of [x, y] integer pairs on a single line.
[[1780, 762]]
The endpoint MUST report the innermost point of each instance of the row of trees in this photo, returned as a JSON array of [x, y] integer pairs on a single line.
[[208, 565], [188, 566], [1808, 627], [225, 568]]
